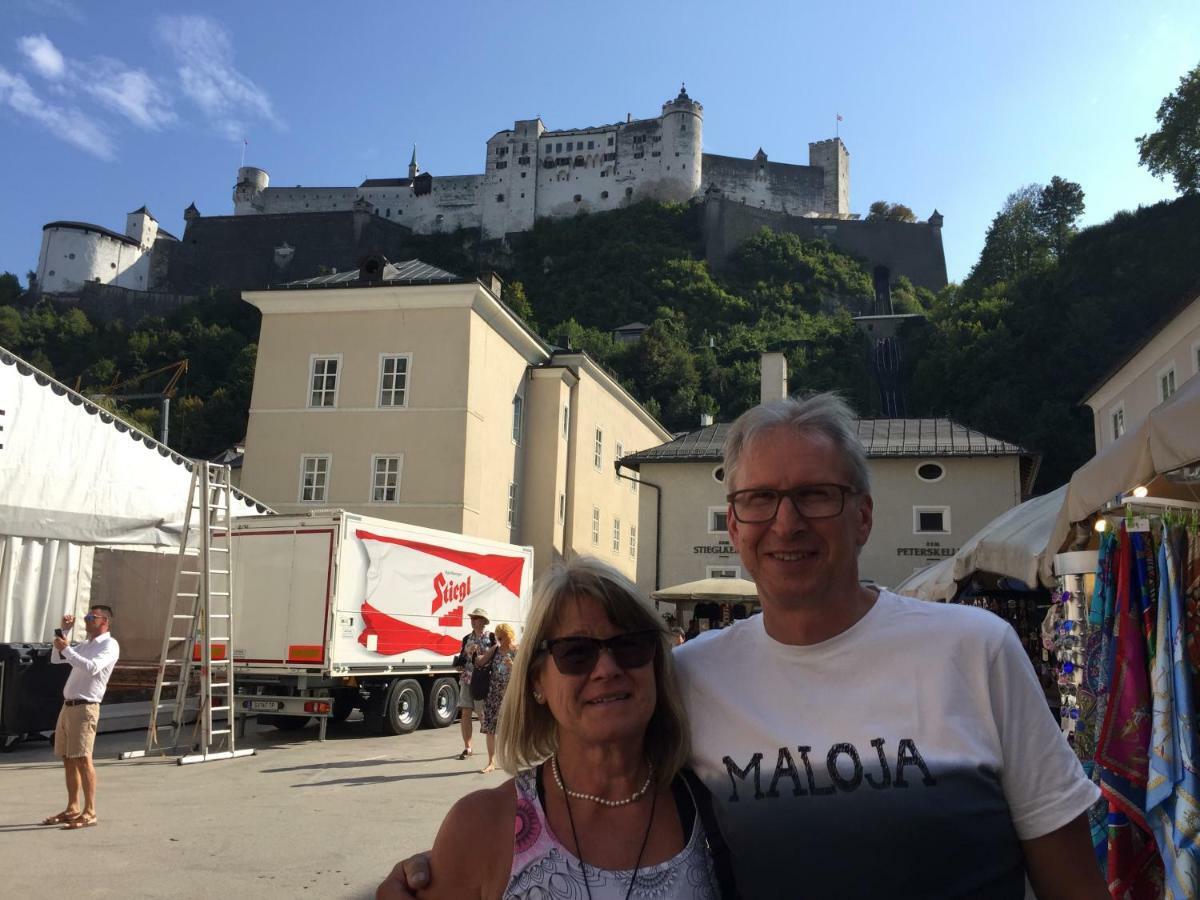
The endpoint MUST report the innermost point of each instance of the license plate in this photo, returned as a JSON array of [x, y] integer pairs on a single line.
[[262, 705]]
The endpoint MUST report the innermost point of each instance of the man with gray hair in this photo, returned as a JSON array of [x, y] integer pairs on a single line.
[[857, 743]]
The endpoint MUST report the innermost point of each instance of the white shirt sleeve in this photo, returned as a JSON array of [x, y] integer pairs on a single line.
[[96, 664], [1044, 782]]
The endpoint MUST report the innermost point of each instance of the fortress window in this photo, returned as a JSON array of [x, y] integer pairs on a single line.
[[549, 149], [522, 174], [523, 160], [603, 194], [579, 162], [499, 198], [610, 140], [656, 153], [524, 148], [578, 197], [591, 145], [558, 148], [640, 154], [70, 256], [570, 146], [609, 157], [114, 265], [604, 173], [628, 192]]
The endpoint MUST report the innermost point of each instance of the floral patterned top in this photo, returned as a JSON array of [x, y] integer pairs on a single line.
[[544, 868], [475, 645]]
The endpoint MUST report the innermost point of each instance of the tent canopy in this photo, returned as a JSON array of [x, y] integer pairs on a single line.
[[709, 589], [935, 582], [72, 471]]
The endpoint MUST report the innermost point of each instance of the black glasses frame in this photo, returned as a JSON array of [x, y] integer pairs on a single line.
[[615, 645], [792, 494]]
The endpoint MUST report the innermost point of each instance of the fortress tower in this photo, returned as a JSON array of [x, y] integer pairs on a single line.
[[248, 194], [142, 227], [682, 142], [832, 156]]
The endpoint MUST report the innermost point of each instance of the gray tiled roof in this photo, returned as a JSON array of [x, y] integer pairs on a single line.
[[410, 271], [880, 437]]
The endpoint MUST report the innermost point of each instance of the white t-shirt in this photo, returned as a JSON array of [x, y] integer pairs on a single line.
[[906, 757]]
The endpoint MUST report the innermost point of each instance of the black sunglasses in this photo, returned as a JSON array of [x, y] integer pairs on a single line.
[[578, 655]]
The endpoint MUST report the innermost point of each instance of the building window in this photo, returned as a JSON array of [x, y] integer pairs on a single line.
[[598, 450], [570, 146], [931, 520], [558, 148], [512, 504], [722, 571], [931, 471], [1166, 383], [518, 414], [393, 380], [718, 520], [610, 140], [633, 542], [595, 525], [566, 421], [499, 198], [503, 164], [591, 145], [385, 479], [604, 194], [578, 197], [616, 540], [323, 381], [617, 454], [1118, 422], [314, 478], [562, 508]]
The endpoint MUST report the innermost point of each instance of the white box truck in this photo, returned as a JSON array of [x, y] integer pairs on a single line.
[[334, 611]]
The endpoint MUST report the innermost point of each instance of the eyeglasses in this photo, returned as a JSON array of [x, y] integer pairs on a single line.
[[90, 618], [578, 655], [813, 501]]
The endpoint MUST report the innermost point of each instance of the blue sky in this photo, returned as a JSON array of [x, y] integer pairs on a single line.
[[105, 107]]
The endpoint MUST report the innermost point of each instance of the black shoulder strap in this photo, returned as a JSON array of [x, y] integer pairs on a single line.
[[464, 643], [718, 850]]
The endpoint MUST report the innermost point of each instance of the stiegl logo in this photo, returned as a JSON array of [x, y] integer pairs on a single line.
[[446, 592]]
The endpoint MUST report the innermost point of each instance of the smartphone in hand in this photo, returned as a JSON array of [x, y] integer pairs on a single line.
[[58, 633]]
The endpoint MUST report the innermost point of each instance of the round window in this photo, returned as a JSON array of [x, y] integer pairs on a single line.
[[70, 256], [719, 474], [930, 471]]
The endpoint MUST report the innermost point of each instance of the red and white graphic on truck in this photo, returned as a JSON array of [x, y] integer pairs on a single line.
[[400, 569]]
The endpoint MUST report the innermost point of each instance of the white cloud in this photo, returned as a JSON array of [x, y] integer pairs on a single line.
[[43, 56], [65, 123], [132, 93], [63, 9], [203, 55]]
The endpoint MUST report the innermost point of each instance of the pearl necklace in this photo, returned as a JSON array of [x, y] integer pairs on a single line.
[[636, 795]]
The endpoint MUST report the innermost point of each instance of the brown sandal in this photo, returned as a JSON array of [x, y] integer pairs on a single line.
[[83, 821], [61, 818]]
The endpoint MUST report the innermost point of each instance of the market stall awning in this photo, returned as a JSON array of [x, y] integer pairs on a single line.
[[934, 582], [72, 471], [728, 589], [1168, 439]]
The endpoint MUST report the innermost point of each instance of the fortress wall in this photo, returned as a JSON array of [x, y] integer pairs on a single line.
[[912, 249], [307, 199], [796, 190]]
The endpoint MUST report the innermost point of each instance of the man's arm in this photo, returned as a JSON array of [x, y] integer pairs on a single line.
[[406, 878], [106, 657], [1062, 865]]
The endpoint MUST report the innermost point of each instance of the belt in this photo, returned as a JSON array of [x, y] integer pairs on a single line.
[[79, 702]]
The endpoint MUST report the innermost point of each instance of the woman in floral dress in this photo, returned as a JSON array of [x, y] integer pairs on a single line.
[[501, 658]]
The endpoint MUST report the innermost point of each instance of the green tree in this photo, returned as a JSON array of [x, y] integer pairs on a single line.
[[1059, 207], [1015, 243], [896, 212], [1174, 149]]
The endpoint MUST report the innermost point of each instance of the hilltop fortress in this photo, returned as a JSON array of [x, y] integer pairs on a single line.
[[279, 234], [531, 172]]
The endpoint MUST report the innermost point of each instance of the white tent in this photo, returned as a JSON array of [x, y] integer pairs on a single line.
[[934, 582], [72, 477], [720, 589]]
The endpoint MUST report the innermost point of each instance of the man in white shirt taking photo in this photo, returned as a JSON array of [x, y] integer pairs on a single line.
[[91, 665]]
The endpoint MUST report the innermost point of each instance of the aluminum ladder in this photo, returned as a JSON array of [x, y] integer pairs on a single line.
[[195, 670]]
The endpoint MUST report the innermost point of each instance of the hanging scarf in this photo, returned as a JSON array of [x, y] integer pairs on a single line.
[[1190, 578], [1145, 586], [1173, 789], [1122, 752], [1093, 690]]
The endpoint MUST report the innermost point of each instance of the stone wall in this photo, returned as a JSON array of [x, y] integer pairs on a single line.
[[254, 252], [781, 187], [910, 249]]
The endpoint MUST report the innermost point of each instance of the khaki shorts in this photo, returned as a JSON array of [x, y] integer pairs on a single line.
[[466, 702], [75, 733]]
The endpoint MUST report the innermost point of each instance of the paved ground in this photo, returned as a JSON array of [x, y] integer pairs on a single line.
[[299, 818]]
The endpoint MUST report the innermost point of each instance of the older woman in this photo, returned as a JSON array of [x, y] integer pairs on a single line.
[[500, 658], [594, 732]]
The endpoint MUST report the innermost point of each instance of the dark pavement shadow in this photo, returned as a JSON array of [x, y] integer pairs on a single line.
[[385, 779]]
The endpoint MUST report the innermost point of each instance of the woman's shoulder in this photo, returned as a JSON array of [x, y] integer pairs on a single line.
[[482, 822]]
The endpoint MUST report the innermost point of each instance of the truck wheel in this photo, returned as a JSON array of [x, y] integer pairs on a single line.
[[401, 711], [285, 723], [442, 703]]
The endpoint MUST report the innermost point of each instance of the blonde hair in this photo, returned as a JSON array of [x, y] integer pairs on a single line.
[[506, 630], [527, 732]]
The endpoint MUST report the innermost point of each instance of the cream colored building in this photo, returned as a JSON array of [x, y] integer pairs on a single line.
[[1152, 372], [416, 395], [934, 484]]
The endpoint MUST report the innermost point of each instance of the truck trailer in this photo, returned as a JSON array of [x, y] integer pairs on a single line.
[[335, 611]]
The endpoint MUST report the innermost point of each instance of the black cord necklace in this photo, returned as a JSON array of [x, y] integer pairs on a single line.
[[579, 849]]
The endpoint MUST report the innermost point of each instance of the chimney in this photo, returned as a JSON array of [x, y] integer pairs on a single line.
[[492, 282], [706, 419], [774, 378]]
